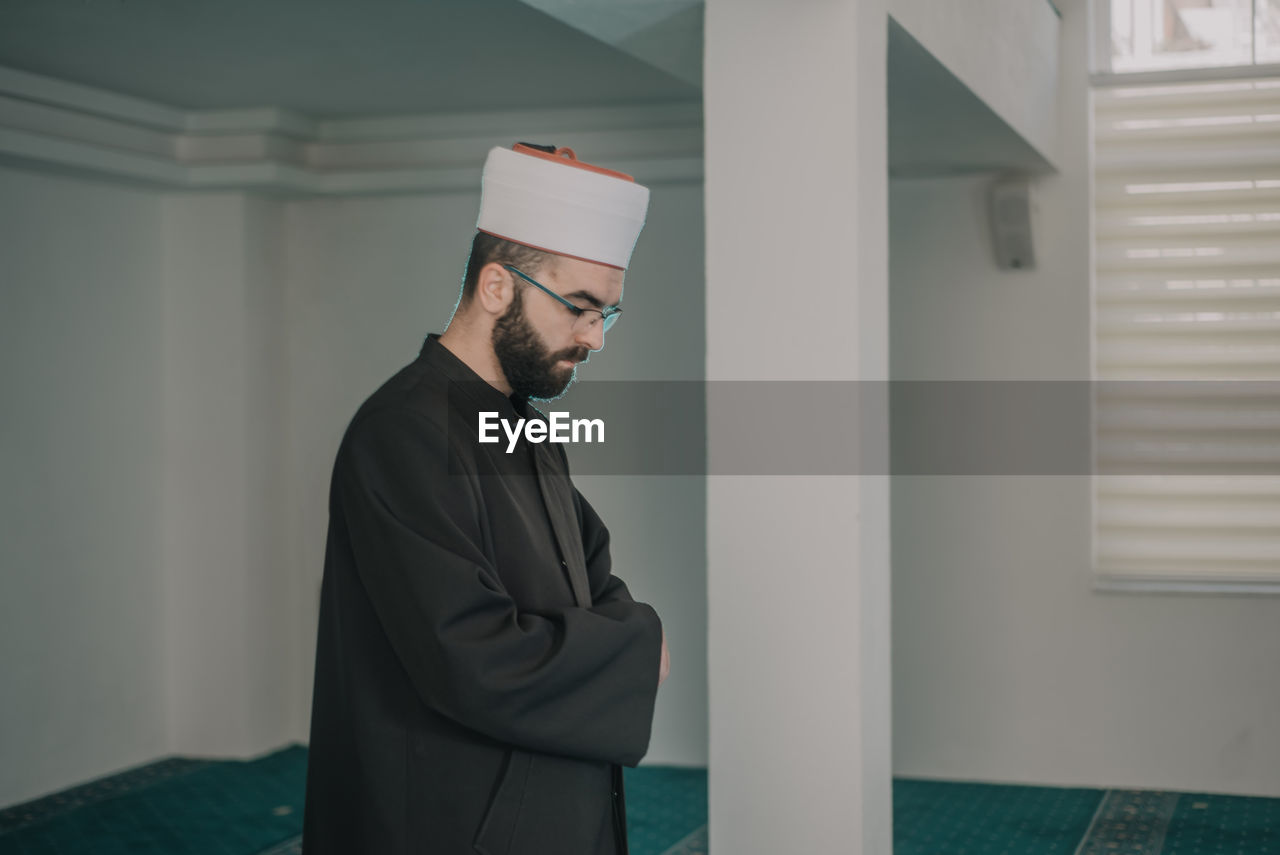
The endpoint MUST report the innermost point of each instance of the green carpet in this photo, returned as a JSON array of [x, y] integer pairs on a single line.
[[937, 817], [665, 805], [1226, 825], [1147, 823], [203, 807], [255, 808]]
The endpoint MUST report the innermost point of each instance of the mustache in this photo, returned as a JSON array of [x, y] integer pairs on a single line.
[[574, 354]]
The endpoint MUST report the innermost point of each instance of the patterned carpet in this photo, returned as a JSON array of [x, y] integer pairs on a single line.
[[175, 806], [1134, 822], [202, 807], [254, 807], [933, 817]]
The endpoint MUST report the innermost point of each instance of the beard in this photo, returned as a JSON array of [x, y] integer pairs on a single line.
[[529, 366]]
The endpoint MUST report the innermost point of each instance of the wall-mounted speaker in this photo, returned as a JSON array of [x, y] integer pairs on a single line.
[[1009, 201]]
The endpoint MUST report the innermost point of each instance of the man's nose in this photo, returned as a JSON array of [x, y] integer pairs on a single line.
[[591, 337]]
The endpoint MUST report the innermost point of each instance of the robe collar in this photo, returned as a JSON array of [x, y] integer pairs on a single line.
[[478, 390]]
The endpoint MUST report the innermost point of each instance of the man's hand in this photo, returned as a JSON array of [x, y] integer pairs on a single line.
[[664, 667]]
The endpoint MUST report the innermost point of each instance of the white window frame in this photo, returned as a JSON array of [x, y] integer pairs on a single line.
[[1101, 73]]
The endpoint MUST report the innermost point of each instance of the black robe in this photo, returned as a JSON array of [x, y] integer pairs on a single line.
[[467, 697]]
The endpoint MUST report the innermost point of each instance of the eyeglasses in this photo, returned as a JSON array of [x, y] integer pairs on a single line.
[[607, 316]]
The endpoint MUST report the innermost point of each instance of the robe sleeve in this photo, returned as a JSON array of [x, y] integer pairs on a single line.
[[579, 682]]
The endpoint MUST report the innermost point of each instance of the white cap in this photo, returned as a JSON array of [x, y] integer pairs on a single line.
[[557, 203]]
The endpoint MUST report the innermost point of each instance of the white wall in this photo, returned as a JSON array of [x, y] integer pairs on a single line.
[[370, 277], [80, 375], [1007, 666], [229, 619], [146, 605]]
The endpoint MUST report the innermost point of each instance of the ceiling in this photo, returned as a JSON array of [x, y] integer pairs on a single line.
[[343, 58], [328, 58]]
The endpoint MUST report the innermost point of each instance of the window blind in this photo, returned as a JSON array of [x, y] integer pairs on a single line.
[[1187, 331]]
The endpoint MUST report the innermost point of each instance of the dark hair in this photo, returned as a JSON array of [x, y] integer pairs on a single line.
[[486, 248]]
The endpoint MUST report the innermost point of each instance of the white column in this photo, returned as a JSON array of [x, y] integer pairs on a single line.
[[798, 575]]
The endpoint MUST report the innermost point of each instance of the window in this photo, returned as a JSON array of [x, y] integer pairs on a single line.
[[1187, 324], [1148, 35]]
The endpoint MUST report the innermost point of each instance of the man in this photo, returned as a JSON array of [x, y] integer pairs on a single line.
[[480, 673]]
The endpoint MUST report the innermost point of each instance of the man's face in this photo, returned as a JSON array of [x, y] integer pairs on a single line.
[[538, 341], [531, 368]]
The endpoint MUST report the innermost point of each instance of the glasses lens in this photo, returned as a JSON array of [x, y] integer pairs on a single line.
[[610, 320]]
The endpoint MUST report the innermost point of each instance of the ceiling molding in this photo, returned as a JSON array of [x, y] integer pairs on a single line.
[[678, 114], [58, 126], [88, 100], [265, 120]]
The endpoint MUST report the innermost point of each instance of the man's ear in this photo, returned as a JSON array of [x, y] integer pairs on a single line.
[[494, 288]]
